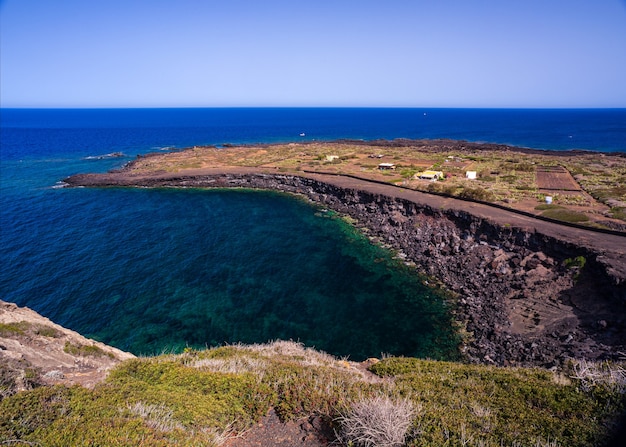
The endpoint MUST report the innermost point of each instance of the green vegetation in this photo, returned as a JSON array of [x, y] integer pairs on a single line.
[[525, 167], [482, 405], [565, 215], [545, 206], [22, 328], [85, 350], [525, 188], [200, 397], [477, 193], [618, 212], [13, 329], [508, 178], [409, 172], [577, 262], [609, 191], [47, 331]]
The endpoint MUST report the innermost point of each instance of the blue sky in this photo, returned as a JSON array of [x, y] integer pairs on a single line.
[[392, 53]]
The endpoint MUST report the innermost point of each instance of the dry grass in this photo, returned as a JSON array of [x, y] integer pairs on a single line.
[[157, 417], [296, 350], [254, 358], [376, 421], [591, 374]]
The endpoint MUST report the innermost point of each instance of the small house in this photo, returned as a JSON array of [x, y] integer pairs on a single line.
[[470, 175], [332, 158], [432, 176], [386, 166]]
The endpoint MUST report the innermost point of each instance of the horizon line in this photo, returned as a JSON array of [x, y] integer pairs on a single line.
[[312, 107]]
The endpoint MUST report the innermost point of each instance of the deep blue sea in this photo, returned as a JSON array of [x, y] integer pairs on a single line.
[[157, 270]]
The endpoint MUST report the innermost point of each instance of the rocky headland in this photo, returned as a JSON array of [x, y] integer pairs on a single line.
[[34, 351], [527, 291]]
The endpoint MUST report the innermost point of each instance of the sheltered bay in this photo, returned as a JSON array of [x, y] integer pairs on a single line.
[[529, 291]]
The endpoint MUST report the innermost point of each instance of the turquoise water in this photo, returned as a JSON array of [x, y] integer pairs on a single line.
[[154, 270]]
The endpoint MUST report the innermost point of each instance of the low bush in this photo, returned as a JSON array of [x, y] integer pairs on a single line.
[[577, 262], [25, 328], [158, 417], [525, 167], [545, 206], [593, 374], [47, 331], [85, 350], [565, 215], [477, 193], [618, 213], [509, 178], [442, 188], [13, 329]]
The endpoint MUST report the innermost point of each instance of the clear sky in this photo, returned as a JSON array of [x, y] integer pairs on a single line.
[[391, 53]]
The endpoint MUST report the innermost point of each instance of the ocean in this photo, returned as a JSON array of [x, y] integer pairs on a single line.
[[153, 271]]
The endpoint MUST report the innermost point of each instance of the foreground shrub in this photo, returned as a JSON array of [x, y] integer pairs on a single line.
[[477, 193], [376, 421]]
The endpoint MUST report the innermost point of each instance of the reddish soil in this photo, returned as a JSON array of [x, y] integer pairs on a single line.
[[271, 432], [556, 178]]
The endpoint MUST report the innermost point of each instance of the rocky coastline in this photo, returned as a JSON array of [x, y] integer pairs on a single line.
[[525, 293]]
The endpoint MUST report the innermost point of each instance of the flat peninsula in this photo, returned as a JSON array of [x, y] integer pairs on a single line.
[[531, 244]]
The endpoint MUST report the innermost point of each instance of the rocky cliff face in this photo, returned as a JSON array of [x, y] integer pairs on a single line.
[[35, 351], [522, 297]]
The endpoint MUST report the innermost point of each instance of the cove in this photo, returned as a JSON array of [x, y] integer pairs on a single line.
[[196, 268]]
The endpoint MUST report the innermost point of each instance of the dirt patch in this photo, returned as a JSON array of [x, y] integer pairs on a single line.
[[314, 431]]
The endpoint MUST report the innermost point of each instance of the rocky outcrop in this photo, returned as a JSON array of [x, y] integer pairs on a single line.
[[35, 351], [523, 297]]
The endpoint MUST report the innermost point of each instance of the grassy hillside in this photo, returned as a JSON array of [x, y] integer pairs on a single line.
[[201, 397]]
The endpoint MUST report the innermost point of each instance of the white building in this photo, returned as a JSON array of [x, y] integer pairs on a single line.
[[433, 176]]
